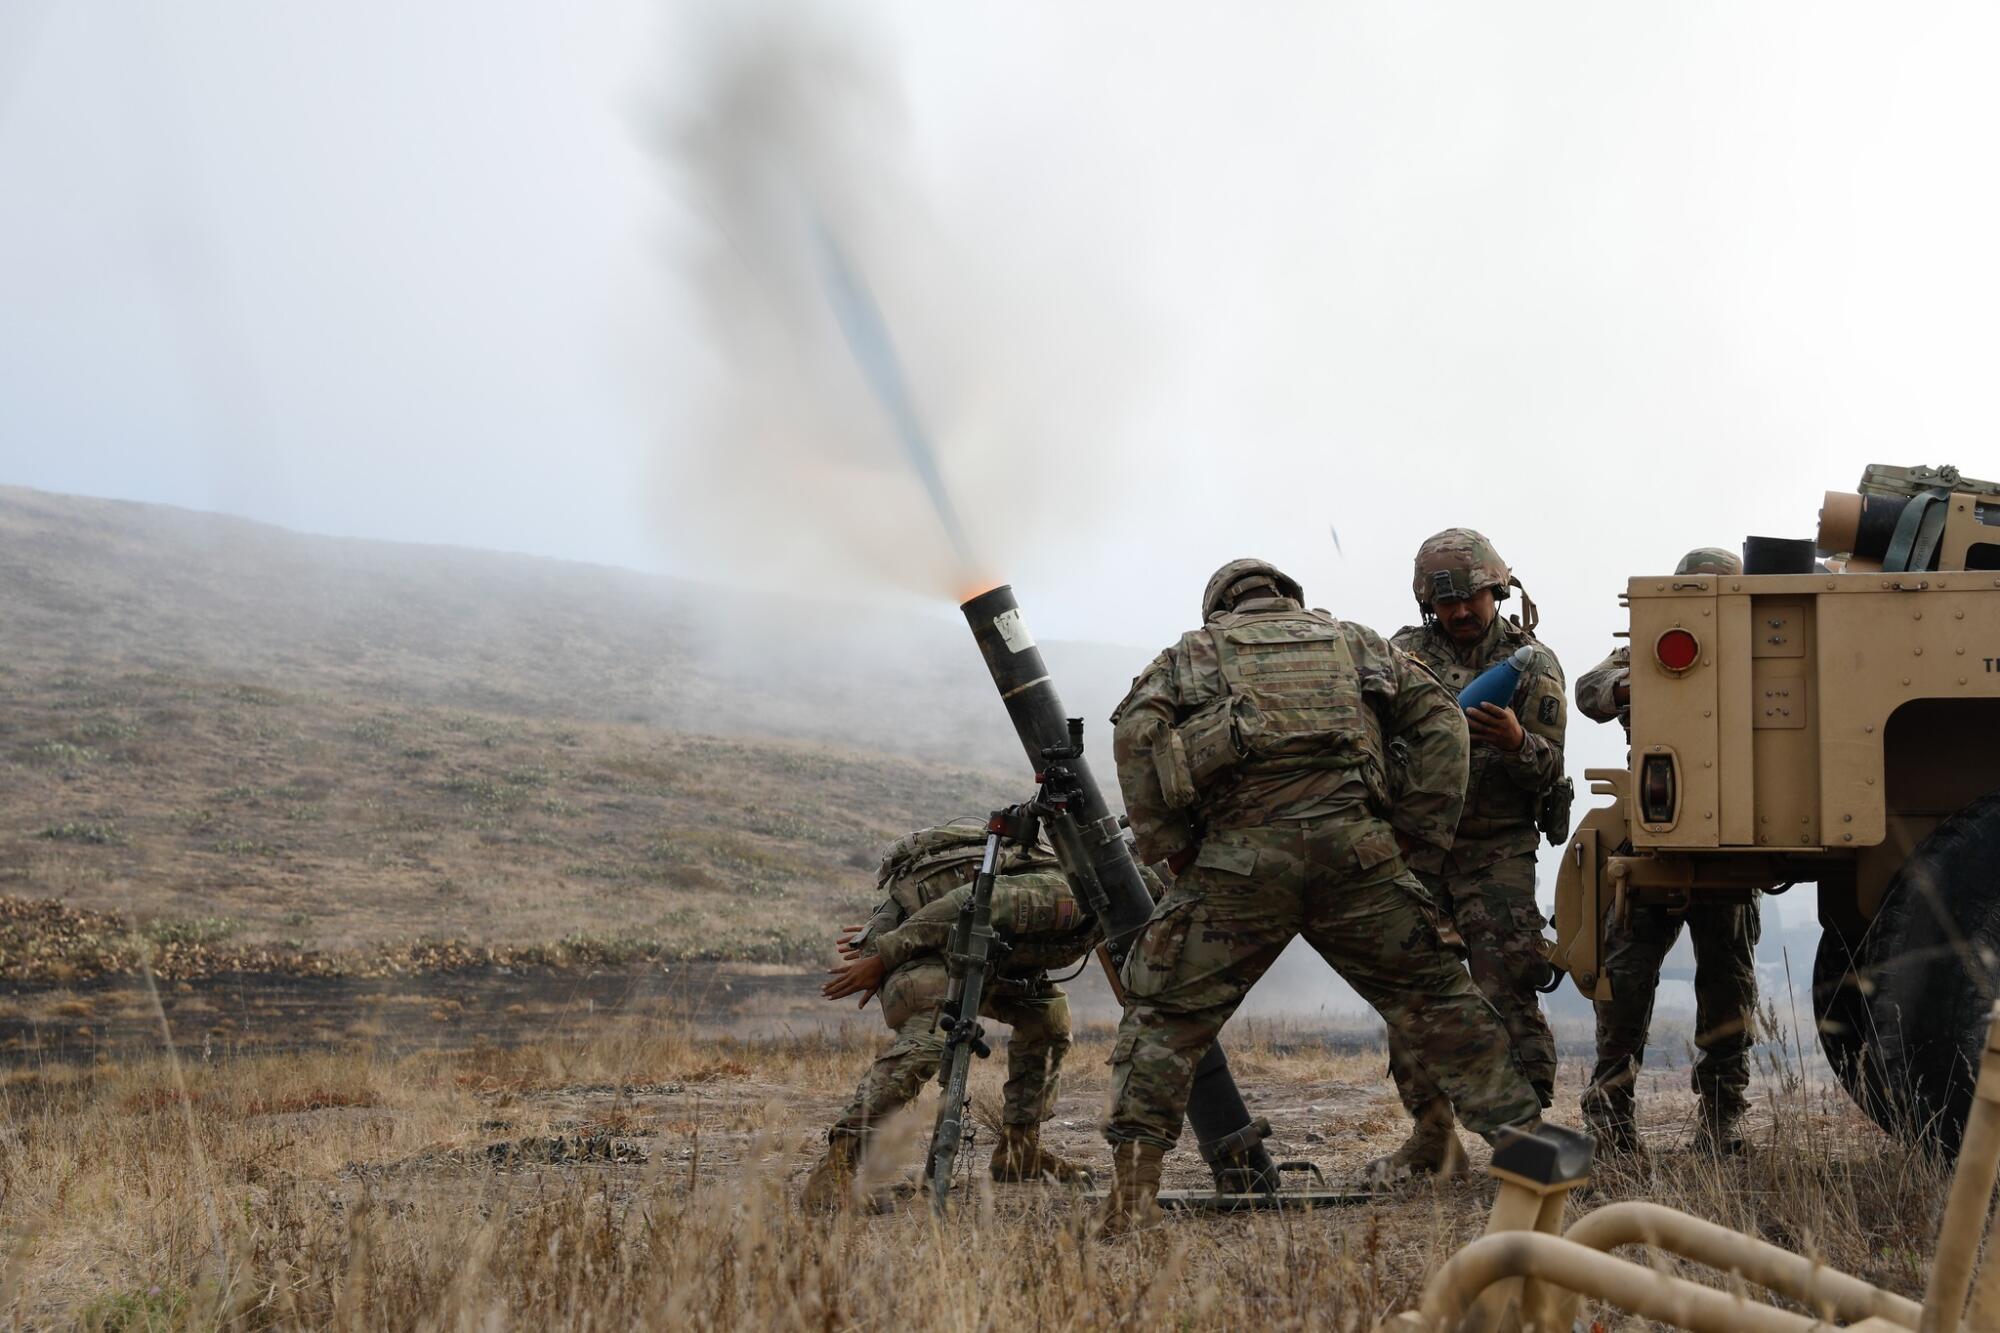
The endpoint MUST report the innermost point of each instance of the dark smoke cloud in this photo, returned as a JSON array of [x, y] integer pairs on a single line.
[[784, 465]]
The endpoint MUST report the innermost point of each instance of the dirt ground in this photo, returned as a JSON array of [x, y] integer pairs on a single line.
[[638, 1168]]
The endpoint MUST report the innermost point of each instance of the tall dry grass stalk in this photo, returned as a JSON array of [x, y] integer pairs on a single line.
[[504, 1188]]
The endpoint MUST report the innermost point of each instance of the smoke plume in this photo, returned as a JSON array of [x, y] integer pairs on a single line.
[[878, 390]]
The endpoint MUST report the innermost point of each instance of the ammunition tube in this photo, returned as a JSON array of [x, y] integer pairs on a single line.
[[1877, 527], [1839, 522], [1777, 555], [1859, 525]]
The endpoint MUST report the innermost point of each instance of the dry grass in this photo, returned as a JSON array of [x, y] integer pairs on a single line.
[[331, 828], [252, 745], [641, 1173]]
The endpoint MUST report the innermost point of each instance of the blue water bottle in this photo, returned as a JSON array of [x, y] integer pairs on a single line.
[[1496, 684]]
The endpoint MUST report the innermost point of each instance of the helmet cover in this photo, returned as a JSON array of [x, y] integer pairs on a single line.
[[1709, 560], [1238, 577], [1455, 564]]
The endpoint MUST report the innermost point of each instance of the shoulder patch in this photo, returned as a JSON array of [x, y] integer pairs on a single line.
[[1550, 710]]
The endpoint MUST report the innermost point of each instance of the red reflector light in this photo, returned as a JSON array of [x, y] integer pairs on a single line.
[[1677, 650]]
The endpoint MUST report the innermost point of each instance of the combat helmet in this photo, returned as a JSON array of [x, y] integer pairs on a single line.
[[1239, 577], [1709, 560], [1455, 564]]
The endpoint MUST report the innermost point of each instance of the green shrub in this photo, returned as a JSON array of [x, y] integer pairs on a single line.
[[190, 930], [246, 847], [97, 835], [61, 752], [258, 696]]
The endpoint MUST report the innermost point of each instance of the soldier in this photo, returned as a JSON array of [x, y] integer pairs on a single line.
[[900, 952], [1724, 936], [1276, 758], [1485, 883]]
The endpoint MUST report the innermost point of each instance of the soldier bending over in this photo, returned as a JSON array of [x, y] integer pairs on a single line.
[[901, 953], [1259, 756]]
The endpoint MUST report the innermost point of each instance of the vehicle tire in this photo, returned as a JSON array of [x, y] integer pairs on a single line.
[[1903, 1010], [1839, 1007]]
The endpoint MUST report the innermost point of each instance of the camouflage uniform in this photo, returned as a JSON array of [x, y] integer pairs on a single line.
[[1038, 917], [1724, 936], [927, 877], [1725, 1008], [1597, 690], [1486, 883], [1286, 750]]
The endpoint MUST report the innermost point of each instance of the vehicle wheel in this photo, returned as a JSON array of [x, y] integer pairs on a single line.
[[1903, 1009], [1838, 1006]]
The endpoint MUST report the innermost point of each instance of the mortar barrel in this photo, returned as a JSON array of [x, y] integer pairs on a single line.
[[1215, 1107]]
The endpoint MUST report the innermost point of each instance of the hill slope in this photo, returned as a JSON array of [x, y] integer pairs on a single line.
[[248, 733], [236, 810], [89, 584]]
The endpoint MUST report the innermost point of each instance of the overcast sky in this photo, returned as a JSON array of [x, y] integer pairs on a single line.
[[1603, 281]]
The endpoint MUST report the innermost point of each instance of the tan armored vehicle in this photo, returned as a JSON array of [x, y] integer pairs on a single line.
[[1832, 721]]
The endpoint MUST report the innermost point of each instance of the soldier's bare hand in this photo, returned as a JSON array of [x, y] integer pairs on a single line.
[[863, 976], [1491, 724], [846, 943]]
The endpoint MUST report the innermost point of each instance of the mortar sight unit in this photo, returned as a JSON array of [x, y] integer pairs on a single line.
[[1833, 723], [1091, 846]]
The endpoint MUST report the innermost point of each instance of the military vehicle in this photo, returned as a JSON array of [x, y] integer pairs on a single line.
[[1829, 716], [1534, 1268]]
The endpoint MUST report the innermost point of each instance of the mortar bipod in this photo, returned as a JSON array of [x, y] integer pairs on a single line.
[[1527, 1273]]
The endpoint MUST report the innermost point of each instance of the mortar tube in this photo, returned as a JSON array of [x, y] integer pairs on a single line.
[[1971, 1195], [1215, 1107], [1650, 1294], [1835, 1294]]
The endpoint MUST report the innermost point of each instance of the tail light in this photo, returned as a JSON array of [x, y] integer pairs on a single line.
[[1677, 650], [1656, 789]]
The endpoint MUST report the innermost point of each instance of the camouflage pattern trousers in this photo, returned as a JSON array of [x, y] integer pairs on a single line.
[[1725, 937], [1037, 1011], [1495, 914], [1339, 882]]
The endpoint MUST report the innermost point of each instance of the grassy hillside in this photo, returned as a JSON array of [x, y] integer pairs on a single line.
[[231, 810], [247, 735], [96, 586]]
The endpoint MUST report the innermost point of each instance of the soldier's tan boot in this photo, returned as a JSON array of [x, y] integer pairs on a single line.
[[1718, 1133], [830, 1187], [1133, 1204], [1432, 1149], [1019, 1156], [1616, 1132]]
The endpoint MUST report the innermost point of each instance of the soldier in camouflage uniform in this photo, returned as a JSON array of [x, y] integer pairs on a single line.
[[1724, 936], [1276, 758], [901, 952], [1485, 883]]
